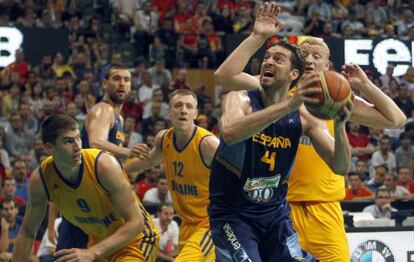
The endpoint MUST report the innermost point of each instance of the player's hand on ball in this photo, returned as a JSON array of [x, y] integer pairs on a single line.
[[345, 113], [267, 23], [74, 254], [305, 91], [355, 76], [140, 150]]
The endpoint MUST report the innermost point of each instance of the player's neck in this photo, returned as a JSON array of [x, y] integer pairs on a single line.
[[117, 107], [182, 136], [67, 170], [271, 96]]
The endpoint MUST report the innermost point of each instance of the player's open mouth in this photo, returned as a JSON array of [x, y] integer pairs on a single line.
[[309, 69], [268, 74]]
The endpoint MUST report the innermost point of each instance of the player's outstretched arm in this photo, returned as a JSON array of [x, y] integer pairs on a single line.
[[336, 152], [230, 73], [383, 112], [98, 124], [35, 212], [238, 123], [135, 166]]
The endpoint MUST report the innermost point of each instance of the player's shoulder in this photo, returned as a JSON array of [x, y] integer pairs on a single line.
[[101, 107]]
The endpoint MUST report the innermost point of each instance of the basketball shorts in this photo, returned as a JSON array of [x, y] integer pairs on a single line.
[[70, 236], [240, 241], [320, 226], [195, 244]]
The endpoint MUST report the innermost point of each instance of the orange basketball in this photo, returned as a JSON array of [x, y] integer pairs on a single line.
[[336, 91]]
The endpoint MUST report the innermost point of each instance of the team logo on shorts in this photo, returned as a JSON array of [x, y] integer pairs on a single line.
[[260, 189], [372, 251]]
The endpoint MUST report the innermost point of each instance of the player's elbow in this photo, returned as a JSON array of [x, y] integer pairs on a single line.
[[340, 169], [228, 135], [399, 121], [219, 76]]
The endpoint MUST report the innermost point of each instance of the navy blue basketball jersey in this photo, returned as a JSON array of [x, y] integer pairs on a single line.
[[250, 177], [116, 134]]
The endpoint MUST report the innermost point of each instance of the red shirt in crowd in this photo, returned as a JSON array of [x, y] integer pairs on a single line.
[[359, 141], [362, 192]]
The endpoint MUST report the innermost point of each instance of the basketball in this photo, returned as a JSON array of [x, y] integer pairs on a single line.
[[336, 91]]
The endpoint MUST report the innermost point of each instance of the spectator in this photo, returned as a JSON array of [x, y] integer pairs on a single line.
[[353, 22], [180, 80], [47, 249], [148, 123], [149, 181], [37, 150], [158, 195], [59, 65], [382, 207], [360, 144], [18, 140], [29, 121], [132, 107], [130, 130], [357, 191], [403, 100], [383, 155], [377, 11], [45, 70], [396, 192], [404, 154], [20, 174], [20, 66], [339, 12], [379, 176], [145, 90], [313, 25], [169, 232], [165, 42], [361, 169], [9, 212], [11, 100], [157, 97], [405, 178], [5, 167], [159, 74], [9, 192], [406, 23], [145, 26], [37, 97], [386, 78], [223, 22], [125, 10]]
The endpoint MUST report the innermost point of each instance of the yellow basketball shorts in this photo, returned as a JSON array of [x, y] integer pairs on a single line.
[[320, 226], [195, 244], [137, 250]]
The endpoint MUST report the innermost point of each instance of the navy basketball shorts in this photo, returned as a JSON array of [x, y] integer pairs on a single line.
[[71, 236], [237, 240]]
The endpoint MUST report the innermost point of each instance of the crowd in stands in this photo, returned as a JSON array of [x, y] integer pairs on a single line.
[[168, 37]]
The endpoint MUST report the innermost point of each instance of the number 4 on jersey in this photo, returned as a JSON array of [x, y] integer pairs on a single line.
[[270, 159]]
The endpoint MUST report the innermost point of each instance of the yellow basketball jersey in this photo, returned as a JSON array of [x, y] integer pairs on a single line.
[[86, 204], [188, 176], [311, 178]]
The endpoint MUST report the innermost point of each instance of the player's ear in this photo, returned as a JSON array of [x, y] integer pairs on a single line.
[[196, 114], [48, 148], [294, 74]]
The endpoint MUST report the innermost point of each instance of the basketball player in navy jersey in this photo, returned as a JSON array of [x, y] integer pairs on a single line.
[[103, 129], [260, 132]]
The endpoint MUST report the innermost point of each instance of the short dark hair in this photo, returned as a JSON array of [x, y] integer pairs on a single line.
[[8, 200], [54, 125], [409, 126], [404, 135], [296, 59], [7, 178], [383, 190], [114, 67]]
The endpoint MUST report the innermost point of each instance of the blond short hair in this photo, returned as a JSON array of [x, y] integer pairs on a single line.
[[316, 41]]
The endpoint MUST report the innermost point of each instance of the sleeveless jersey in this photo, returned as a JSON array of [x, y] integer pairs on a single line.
[[116, 134], [187, 176], [312, 179], [250, 177], [85, 203]]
